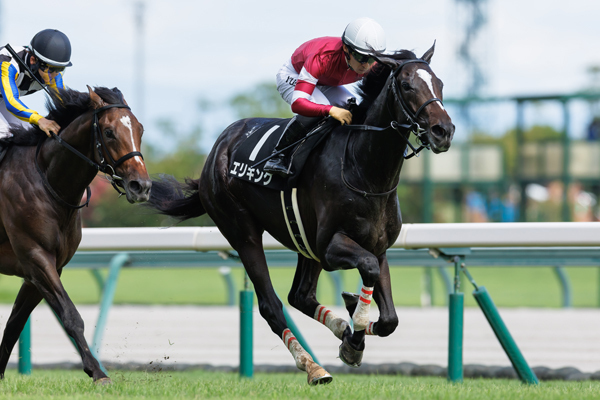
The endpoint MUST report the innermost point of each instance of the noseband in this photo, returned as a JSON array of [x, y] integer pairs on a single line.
[[414, 127], [103, 166], [413, 117]]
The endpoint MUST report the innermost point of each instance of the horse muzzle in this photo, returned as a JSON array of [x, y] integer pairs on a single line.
[[137, 190], [440, 137]]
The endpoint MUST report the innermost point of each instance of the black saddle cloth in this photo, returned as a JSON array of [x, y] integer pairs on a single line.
[[250, 157]]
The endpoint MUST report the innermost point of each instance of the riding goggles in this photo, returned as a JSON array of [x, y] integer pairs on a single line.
[[50, 69], [362, 58]]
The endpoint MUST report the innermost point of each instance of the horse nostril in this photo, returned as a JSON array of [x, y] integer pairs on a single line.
[[135, 187], [438, 132]]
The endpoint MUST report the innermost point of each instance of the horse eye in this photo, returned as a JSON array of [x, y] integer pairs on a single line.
[[109, 133], [406, 86]]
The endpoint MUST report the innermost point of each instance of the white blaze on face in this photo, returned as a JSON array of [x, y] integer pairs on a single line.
[[426, 76], [125, 120]]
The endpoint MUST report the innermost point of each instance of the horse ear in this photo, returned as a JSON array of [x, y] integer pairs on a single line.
[[428, 54], [95, 100]]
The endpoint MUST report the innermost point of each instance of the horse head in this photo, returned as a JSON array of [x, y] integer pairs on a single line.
[[418, 97], [118, 137]]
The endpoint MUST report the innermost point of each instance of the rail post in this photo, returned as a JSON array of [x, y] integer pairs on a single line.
[[506, 340], [25, 349], [456, 327], [246, 340]]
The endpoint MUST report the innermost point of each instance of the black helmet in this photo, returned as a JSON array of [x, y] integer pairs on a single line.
[[52, 47]]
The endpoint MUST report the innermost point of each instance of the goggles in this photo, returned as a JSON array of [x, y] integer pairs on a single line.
[[361, 58], [50, 69]]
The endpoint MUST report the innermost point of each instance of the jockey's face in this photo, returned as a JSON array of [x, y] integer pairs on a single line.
[[360, 68], [47, 73]]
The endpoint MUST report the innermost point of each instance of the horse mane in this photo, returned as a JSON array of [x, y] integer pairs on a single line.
[[372, 84], [63, 108]]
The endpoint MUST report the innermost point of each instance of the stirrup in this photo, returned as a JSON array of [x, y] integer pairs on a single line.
[[277, 165]]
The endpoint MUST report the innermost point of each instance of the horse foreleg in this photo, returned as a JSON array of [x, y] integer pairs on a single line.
[[382, 294], [344, 253], [47, 281], [27, 299], [388, 319], [303, 296]]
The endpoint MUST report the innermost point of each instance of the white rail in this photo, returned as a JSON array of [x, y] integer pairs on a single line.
[[412, 236]]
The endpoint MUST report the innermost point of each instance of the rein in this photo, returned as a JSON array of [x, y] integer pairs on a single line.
[[414, 127], [103, 166]]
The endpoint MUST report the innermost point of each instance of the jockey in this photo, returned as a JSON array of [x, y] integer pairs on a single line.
[[311, 81], [47, 56]]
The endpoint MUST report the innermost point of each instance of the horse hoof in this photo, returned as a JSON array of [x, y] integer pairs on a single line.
[[318, 376], [103, 381], [350, 356]]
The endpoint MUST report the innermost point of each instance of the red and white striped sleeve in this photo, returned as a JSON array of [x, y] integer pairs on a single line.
[[307, 81]]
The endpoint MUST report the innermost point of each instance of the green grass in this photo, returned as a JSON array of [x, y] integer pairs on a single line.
[[208, 385], [509, 287]]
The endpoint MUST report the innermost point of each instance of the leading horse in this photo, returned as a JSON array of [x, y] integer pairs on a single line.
[[40, 223], [346, 196]]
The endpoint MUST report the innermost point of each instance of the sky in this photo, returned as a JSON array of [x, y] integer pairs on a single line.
[[214, 49]]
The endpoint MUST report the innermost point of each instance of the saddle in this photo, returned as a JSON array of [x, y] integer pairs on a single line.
[[250, 157]]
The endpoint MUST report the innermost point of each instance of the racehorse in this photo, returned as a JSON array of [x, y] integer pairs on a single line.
[[40, 187], [346, 196]]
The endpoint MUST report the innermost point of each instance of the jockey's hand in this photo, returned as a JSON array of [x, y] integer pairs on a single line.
[[48, 126], [341, 114]]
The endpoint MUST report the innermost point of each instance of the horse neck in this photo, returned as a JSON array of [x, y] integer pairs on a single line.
[[378, 156], [68, 174]]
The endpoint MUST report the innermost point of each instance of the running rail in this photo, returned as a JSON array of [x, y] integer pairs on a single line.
[[412, 236]]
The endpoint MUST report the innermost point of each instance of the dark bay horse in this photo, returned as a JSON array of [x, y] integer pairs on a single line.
[[40, 188], [346, 196]]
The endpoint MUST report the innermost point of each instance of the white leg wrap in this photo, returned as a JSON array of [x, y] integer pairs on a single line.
[[369, 329], [361, 314], [336, 324], [300, 355]]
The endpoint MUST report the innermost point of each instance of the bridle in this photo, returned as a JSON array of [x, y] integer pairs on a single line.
[[413, 118], [414, 127], [103, 166]]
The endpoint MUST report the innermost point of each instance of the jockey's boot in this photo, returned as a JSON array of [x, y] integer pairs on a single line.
[[295, 130]]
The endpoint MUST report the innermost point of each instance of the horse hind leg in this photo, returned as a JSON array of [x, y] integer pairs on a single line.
[[27, 299], [303, 296], [271, 309]]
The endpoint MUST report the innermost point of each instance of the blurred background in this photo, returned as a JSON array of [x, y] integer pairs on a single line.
[[522, 84]]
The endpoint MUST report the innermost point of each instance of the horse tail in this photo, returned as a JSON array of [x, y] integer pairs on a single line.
[[176, 199]]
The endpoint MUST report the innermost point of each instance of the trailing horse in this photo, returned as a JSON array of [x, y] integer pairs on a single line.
[[344, 204], [40, 189]]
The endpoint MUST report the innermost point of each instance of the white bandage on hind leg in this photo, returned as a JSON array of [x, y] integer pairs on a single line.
[[300, 355], [361, 314], [336, 324]]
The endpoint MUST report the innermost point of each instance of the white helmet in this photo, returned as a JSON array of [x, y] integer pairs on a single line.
[[364, 34]]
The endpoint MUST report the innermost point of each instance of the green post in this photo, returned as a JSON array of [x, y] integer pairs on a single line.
[[510, 347], [25, 349], [246, 307], [456, 327], [108, 295]]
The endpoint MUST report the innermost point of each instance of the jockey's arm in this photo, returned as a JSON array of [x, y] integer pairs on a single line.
[[10, 94], [301, 98]]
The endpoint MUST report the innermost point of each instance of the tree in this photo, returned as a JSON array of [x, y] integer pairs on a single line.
[[263, 100]]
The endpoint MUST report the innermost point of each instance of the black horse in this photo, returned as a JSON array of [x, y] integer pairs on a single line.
[[40, 189], [346, 196]]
